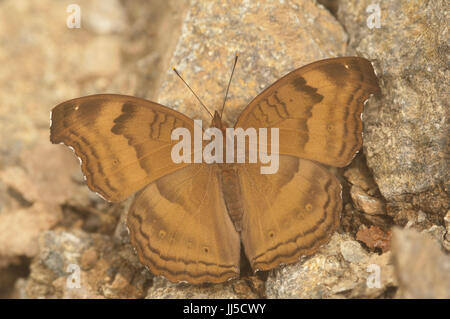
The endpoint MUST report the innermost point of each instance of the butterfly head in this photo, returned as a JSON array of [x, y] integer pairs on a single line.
[[217, 121]]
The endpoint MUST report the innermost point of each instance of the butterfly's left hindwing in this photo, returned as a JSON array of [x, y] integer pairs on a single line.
[[123, 142]]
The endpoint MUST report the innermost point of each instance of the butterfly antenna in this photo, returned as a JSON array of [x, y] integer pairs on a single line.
[[229, 82], [175, 70]]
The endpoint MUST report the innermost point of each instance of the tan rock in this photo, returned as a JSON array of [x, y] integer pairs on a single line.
[[101, 57], [272, 38], [104, 17], [162, 289], [340, 269], [19, 229], [368, 204], [89, 258], [375, 237], [422, 268]]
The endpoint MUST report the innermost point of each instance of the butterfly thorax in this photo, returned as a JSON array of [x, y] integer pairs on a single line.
[[217, 121], [229, 181]]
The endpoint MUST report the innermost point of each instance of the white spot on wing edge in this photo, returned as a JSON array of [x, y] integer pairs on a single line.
[[73, 150], [84, 176], [51, 118], [101, 196]]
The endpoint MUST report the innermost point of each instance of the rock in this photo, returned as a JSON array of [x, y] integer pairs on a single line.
[[405, 131], [352, 251], [340, 269], [19, 229], [358, 174], [19, 289], [125, 47], [9, 275], [121, 233], [103, 17], [447, 221], [88, 258], [39, 187], [438, 233], [374, 237], [368, 204], [423, 269], [101, 58], [272, 38], [446, 242], [94, 264], [163, 289]]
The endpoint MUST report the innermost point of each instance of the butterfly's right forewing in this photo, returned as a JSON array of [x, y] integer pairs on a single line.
[[123, 142]]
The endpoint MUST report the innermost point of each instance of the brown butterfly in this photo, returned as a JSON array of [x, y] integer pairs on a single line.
[[187, 221]]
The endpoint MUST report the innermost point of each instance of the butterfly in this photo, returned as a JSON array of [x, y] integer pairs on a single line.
[[188, 220]]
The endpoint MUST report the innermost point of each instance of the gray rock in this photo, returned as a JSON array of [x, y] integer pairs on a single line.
[[60, 249], [162, 289], [102, 269], [340, 269], [352, 251], [406, 131], [272, 38]]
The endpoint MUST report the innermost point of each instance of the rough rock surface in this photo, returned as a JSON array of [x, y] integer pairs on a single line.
[[422, 268], [271, 37], [340, 269], [406, 131], [80, 265], [162, 289], [368, 204]]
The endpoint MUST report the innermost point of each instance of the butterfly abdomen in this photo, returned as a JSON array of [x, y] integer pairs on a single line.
[[231, 190]]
